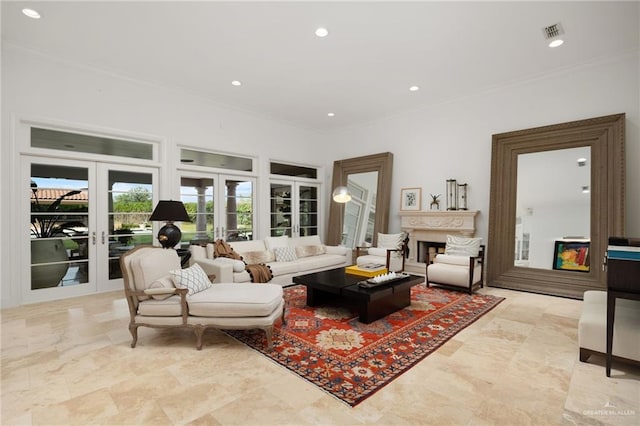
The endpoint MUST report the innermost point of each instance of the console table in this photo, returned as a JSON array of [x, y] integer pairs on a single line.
[[623, 281]]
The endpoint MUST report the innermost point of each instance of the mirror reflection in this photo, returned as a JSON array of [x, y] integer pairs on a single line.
[[553, 208], [360, 212]]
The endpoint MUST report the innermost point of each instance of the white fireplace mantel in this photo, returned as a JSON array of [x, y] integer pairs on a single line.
[[434, 225]]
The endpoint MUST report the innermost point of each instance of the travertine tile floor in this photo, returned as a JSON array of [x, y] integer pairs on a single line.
[[69, 362]]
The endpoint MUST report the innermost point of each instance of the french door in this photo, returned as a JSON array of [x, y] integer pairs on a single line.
[[83, 216], [294, 208], [220, 206]]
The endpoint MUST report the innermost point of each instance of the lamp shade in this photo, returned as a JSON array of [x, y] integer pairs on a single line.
[[170, 211], [341, 194]]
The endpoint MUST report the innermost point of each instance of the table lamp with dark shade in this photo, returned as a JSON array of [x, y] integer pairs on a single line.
[[169, 211]]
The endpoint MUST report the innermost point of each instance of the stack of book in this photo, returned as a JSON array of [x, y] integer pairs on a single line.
[[367, 270]]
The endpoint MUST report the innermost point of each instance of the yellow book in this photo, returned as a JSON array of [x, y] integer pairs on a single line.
[[368, 270]]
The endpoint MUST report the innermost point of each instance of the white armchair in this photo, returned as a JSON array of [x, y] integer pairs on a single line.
[[390, 251], [460, 267]]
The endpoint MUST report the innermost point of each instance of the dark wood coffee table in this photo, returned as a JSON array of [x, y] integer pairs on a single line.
[[336, 286]]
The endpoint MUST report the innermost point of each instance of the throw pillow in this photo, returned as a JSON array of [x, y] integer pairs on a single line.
[[260, 256], [193, 278], [462, 246], [305, 251], [285, 254], [272, 242]]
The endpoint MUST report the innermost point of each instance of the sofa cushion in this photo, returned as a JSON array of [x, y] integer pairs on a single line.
[[339, 250], [312, 250], [308, 240], [274, 242], [192, 278], [284, 268], [160, 308], [320, 261], [462, 246], [242, 247], [153, 265], [236, 300], [261, 256], [285, 254]]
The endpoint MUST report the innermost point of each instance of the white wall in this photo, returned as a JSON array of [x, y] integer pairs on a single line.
[[453, 140], [36, 87]]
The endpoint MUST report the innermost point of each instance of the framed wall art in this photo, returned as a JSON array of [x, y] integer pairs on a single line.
[[410, 199]]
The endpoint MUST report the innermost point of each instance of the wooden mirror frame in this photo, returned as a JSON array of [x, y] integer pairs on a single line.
[[606, 138], [381, 163]]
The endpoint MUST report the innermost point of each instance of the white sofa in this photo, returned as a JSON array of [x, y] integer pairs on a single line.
[[592, 327], [286, 256]]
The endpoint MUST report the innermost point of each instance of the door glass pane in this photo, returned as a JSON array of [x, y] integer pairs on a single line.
[[239, 210], [308, 208], [197, 196], [130, 200], [59, 226], [280, 209]]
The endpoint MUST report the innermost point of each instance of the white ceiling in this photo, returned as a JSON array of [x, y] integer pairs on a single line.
[[361, 71]]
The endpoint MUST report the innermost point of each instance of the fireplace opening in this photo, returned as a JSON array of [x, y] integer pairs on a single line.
[[429, 247]]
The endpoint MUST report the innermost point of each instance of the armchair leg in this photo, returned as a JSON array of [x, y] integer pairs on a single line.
[[199, 331], [133, 329]]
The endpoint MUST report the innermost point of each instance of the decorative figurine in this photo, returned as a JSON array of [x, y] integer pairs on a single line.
[[435, 203]]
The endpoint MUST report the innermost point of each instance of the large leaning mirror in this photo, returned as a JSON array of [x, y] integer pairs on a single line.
[[553, 209], [557, 194], [369, 181]]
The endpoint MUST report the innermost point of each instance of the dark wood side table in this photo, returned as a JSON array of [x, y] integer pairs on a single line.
[[185, 255], [623, 282]]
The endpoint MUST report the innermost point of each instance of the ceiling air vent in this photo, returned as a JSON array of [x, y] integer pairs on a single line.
[[553, 31]]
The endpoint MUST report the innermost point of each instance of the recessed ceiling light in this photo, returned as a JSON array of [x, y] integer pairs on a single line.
[[322, 32], [553, 34], [555, 43], [236, 83], [31, 13], [414, 88], [331, 114]]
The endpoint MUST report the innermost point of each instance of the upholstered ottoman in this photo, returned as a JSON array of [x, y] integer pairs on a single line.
[[236, 306], [592, 327]]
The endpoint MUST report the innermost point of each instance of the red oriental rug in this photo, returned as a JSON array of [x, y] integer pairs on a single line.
[[330, 348]]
